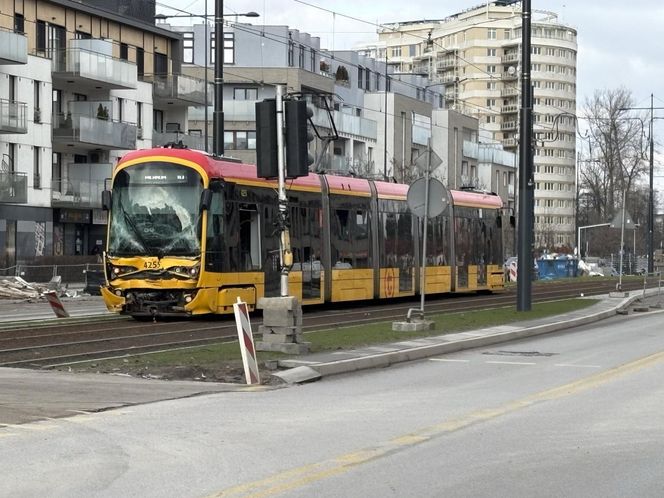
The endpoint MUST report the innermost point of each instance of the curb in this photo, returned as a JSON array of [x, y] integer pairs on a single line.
[[315, 371]]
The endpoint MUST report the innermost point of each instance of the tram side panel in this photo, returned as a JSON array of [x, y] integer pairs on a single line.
[[396, 247], [350, 247]]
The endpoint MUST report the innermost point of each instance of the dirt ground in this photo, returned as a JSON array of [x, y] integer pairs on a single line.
[[229, 372]]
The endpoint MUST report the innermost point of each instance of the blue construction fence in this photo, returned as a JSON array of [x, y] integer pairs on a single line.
[[549, 269]]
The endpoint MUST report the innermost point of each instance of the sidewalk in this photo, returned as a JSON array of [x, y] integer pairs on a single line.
[[315, 366]]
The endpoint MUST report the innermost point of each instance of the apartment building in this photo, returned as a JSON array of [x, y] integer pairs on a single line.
[[473, 58], [79, 86], [257, 58]]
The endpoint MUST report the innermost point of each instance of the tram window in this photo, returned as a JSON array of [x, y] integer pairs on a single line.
[[215, 234]]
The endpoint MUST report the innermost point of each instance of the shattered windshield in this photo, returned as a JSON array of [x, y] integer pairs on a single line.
[[155, 211]]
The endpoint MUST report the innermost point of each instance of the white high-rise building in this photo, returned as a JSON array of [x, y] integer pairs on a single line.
[[473, 61]]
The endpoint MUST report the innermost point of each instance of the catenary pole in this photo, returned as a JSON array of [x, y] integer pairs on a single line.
[[526, 190], [218, 115]]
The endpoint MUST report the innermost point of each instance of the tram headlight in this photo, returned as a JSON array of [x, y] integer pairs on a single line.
[[189, 271], [118, 271]]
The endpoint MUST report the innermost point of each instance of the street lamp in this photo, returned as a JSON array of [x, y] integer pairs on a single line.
[[218, 115]]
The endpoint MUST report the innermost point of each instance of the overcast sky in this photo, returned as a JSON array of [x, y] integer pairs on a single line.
[[619, 43]]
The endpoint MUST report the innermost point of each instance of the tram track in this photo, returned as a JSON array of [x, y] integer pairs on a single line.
[[58, 344]]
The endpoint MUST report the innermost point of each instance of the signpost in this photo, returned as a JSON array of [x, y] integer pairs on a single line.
[[427, 198]]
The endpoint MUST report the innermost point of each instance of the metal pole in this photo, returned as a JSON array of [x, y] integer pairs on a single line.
[[207, 41], [525, 256], [622, 242], [651, 201], [284, 244], [426, 225], [385, 123], [218, 116]]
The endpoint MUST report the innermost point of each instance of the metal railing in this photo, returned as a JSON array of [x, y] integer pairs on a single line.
[[41, 274]]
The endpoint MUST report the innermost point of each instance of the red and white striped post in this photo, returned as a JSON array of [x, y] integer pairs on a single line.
[[246, 342], [56, 304]]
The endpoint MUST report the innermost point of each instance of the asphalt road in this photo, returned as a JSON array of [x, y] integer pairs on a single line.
[[570, 414]]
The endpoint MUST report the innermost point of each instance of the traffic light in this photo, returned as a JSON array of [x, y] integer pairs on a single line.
[[298, 137], [266, 139]]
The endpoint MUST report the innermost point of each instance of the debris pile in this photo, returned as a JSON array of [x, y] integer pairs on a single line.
[[17, 288]]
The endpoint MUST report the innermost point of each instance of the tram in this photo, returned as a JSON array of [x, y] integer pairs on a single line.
[[190, 233]]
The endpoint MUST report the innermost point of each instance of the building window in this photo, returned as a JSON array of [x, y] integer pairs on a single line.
[[396, 51], [37, 97], [140, 62], [11, 157], [40, 37], [491, 69], [36, 175], [240, 140], [82, 35], [229, 48], [120, 109], [19, 23], [124, 51], [139, 114], [158, 120], [160, 63], [213, 44], [188, 47], [312, 57], [491, 33], [301, 57], [245, 94], [491, 52]]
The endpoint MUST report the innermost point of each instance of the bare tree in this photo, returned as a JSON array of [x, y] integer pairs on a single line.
[[616, 151]]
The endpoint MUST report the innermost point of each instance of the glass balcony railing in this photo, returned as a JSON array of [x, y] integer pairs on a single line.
[[13, 47], [13, 116], [77, 194], [196, 142], [179, 89], [83, 66], [347, 123], [87, 131], [13, 187]]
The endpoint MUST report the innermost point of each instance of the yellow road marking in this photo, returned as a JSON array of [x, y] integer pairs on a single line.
[[301, 476]]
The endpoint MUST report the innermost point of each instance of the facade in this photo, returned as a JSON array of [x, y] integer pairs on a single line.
[[256, 58], [79, 86], [473, 59]]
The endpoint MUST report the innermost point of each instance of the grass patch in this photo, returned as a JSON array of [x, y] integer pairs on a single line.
[[218, 355]]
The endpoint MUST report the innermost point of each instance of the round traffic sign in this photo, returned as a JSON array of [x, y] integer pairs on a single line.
[[438, 197]]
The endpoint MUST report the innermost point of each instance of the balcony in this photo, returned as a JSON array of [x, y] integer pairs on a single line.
[[13, 187], [347, 124], [196, 142], [509, 125], [509, 142], [509, 109], [510, 58], [90, 66], [13, 47], [77, 194], [509, 91], [179, 90], [89, 132], [13, 116]]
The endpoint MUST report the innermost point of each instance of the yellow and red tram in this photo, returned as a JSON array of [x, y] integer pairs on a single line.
[[189, 233]]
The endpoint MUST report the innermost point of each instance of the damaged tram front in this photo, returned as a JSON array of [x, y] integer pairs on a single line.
[[153, 258]]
